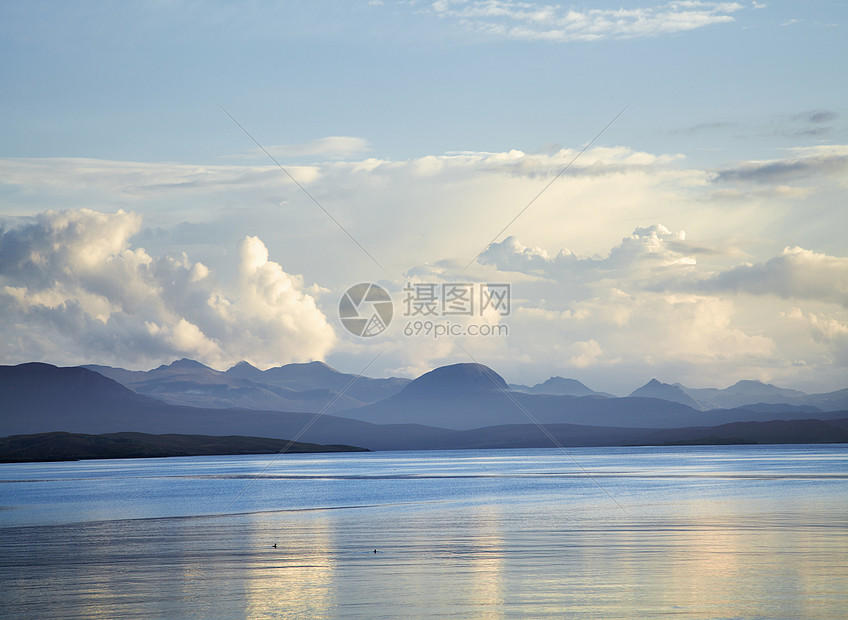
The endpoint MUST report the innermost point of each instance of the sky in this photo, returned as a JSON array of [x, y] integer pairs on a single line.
[[661, 184]]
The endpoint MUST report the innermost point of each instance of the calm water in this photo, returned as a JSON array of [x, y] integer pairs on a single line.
[[745, 531]]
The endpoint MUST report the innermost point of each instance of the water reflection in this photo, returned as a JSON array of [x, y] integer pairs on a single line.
[[536, 546], [297, 576]]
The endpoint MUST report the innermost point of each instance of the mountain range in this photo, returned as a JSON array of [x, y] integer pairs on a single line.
[[294, 387], [458, 406], [310, 386]]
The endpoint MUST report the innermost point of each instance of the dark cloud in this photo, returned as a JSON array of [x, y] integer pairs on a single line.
[[816, 116], [781, 171], [706, 127], [796, 273]]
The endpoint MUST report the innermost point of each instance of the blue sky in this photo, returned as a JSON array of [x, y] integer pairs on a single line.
[[141, 81], [704, 226]]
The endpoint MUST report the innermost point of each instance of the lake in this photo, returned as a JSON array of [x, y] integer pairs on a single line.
[[721, 532]]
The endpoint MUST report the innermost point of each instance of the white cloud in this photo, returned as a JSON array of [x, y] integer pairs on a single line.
[[587, 353], [72, 286], [407, 213], [635, 310], [330, 147], [618, 339], [648, 252], [796, 273], [645, 298], [553, 22]]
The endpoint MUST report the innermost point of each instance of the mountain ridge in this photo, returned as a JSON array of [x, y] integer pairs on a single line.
[[288, 387], [38, 398]]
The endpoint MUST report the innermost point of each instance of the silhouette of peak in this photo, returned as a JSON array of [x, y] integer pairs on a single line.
[[750, 383], [665, 391], [183, 364], [457, 378], [243, 367]]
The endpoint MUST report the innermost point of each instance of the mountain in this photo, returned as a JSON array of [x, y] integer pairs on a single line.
[[664, 391], [469, 396], [60, 446], [461, 396], [312, 376], [771, 432], [40, 398], [559, 386], [296, 387], [830, 401], [457, 380], [745, 393]]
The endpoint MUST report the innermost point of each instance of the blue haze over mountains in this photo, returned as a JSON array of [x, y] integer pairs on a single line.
[[458, 406], [303, 387]]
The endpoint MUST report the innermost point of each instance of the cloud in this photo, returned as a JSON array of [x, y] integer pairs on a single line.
[[619, 337], [586, 354], [628, 279], [72, 281], [406, 213], [817, 116], [796, 273], [533, 21], [707, 127], [330, 147], [649, 249], [656, 301], [809, 162], [827, 331]]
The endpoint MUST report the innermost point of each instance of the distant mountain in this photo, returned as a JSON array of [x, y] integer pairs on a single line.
[[296, 387], [747, 392], [312, 376], [559, 386], [460, 396], [309, 387], [469, 396], [40, 398], [830, 401], [60, 446], [664, 391], [744, 393], [771, 432], [457, 380]]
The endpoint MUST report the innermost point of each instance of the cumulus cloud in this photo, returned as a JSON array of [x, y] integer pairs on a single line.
[[648, 250], [97, 286], [826, 330], [650, 302], [548, 22], [628, 335], [796, 273], [72, 281], [406, 213]]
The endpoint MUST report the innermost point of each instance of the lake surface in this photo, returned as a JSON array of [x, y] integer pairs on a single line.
[[727, 532]]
